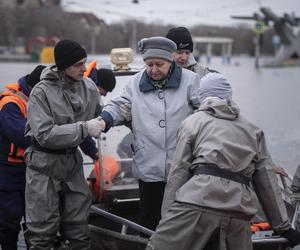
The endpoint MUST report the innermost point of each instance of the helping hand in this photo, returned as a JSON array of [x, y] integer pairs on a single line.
[[280, 170], [95, 127]]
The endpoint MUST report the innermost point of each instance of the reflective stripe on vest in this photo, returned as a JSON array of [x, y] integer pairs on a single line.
[[89, 68], [14, 95]]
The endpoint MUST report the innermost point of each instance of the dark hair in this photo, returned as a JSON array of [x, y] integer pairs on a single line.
[[106, 79], [35, 76]]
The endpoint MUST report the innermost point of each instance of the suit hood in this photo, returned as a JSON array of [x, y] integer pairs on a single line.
[[220, 108]]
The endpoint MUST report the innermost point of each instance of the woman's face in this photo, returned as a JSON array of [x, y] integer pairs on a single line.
[[157, 68]]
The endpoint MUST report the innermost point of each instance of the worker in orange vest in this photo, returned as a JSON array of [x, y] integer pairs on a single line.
[[13, 116]]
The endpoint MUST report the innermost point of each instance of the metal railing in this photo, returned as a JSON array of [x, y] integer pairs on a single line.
[[256, 239], [274, 240], [124, 222]]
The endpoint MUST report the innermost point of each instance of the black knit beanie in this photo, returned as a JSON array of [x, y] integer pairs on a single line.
[[34, 77], [68, 52], [106, 79], [182, 37]]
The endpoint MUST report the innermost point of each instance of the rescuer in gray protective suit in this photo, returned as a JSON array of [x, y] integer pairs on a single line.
[[295, 187], [208, 201], [296, 181], [184, 58], [60, 117]]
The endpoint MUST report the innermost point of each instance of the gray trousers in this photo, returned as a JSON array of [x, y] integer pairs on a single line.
[[186, 227], [53, 206]]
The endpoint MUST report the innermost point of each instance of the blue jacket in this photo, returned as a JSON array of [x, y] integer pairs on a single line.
[[12, 125]]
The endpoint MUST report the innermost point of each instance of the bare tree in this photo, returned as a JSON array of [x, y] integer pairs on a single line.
[[53, 21], [7, 26]]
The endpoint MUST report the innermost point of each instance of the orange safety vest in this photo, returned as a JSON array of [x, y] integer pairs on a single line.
[[89, 68], [13, 94]]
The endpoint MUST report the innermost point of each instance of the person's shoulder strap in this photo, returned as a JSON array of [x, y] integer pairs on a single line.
[[20, 95], [212, 70], [14, 88]]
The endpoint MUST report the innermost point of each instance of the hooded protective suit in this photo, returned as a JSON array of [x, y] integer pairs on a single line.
[[296, 181], [211, 210], [57, 195]]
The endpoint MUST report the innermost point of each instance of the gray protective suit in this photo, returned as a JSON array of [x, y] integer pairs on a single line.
[[57, 195], [196, 67], [296, 181], [208, 211], [295, 187]]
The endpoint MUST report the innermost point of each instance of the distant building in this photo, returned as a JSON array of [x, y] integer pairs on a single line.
[[89, 20], [92, 23]]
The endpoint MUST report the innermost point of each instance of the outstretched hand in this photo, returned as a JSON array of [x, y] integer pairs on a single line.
[[280, 170]]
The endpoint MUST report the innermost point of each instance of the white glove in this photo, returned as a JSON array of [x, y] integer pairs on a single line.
[[125, 110], [95, 127]]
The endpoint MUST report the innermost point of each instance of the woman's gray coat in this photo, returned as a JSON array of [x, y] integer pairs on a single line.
[[156, 116]]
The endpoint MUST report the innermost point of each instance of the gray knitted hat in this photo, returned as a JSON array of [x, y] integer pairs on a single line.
[[215, 85], [157, 47]]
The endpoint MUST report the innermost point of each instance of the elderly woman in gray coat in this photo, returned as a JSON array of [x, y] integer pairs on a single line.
[[155, 102], [209, 201]]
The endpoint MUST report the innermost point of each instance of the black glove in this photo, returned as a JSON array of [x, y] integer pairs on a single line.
[[292, 235]]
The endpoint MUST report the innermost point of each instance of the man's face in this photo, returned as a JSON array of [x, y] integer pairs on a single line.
[[181, 57], [76, 70], [157, 69]]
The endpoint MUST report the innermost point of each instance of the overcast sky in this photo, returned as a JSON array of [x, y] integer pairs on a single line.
[[179, 12]]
